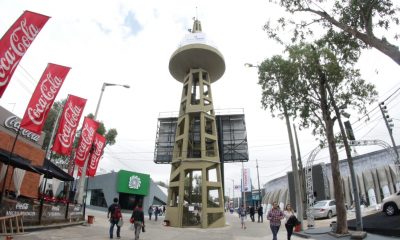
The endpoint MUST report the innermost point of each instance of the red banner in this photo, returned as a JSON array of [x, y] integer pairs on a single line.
[[42, 99], [99, 144], [16, 42], [69, 121], [89, 129]]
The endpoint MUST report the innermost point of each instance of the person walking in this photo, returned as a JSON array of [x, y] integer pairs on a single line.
[[115, 215], [290, 220], [163, 210], [252, 213], [138, 219], [156, 212], [260, 213], [275, 215], [150, 212], [242, 214]]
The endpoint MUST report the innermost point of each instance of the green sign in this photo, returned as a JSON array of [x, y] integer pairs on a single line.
[[133, 183]]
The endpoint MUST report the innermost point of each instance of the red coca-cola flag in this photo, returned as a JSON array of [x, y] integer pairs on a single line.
[[89, 129], [43, 98], [69, 121], [16, 42], [99, 144]]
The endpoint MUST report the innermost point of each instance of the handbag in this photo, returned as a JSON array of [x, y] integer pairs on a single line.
[[143, 230], [120, 222]]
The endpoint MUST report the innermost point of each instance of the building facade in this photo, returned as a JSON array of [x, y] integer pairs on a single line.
[[376, 176], [131, 188]]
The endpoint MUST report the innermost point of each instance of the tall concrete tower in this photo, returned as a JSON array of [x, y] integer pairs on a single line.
[[195, 197]]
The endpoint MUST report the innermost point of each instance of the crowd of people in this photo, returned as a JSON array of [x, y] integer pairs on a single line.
[[114, 215], [275, 216]]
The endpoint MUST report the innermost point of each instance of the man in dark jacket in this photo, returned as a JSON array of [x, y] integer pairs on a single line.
[[138, 219], [114, 217], [260, 213]]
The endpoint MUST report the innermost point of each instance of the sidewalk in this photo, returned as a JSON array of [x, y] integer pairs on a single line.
[[155, 230]]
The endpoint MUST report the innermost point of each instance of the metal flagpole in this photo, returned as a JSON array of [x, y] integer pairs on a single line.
[[8, 165]]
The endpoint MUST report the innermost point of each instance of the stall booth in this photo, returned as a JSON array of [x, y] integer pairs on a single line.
[[21, 173]]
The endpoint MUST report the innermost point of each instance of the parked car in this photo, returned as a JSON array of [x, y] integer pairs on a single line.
[[324, 209], [391, 204]]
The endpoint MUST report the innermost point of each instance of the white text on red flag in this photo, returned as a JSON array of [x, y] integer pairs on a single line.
[[16, 42], [43, 98], [89, 129], [99, 144], [69, 121]]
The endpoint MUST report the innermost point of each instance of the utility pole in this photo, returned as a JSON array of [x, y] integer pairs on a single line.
[[259, 189], [389, 125]]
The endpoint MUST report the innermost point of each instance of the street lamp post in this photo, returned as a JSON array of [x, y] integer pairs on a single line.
[[259, 189], [83, 174]]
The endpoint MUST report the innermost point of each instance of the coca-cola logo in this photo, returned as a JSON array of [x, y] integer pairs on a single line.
[[86, 142], [48, 91], [20, 40], [13, 123], [22, 206], [71, 121], [96, 154]]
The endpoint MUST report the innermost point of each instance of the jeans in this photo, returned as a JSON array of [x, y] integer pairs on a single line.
[[274, 230], [112, 223], [289, 229], [260, 216], [138, 228]]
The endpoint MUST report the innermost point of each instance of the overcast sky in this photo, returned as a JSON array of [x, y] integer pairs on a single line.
[[130, 42]]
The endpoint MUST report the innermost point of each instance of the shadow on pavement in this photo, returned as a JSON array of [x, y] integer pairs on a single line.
[[379, 223]]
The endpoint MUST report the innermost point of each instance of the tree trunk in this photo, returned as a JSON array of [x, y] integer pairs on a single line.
[[337, 183], [339, 196]]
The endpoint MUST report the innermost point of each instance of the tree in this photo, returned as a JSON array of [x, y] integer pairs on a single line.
[[356, 19], [301, 81]]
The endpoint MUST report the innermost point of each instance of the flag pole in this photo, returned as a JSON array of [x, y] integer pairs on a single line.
[[8, 165]]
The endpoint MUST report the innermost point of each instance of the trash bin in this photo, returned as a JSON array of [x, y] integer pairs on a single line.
[[333, 226], [90, 219], [297, 228]]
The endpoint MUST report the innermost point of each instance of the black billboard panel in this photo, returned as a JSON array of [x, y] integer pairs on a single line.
[[232, 138]]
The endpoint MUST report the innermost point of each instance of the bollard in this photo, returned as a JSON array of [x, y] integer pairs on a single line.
[[90, 219]]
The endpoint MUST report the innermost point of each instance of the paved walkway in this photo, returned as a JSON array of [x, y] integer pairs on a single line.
[[155, 230]]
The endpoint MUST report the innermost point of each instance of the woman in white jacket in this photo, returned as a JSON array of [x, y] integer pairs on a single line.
[[289, 223]]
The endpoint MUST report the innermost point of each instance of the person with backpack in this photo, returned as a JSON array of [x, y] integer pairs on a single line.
[[138, 220], [115, 215]]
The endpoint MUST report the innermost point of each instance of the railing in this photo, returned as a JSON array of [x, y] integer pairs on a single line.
[[11, 224]]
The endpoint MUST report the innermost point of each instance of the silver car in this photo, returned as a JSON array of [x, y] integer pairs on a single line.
[[324, 209]]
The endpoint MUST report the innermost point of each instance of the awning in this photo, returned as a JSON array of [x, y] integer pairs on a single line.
[[50, 170], [16, 161]]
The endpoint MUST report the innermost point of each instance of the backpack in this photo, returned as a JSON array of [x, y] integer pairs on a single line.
[[136, 215], [116, 214]]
